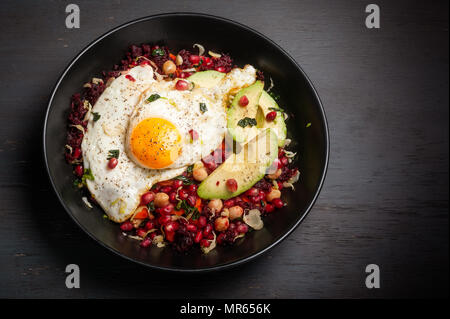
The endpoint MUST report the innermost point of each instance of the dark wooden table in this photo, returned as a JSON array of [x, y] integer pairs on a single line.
[[385, 199]]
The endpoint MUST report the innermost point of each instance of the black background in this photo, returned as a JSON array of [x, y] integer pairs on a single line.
[[385, 199]]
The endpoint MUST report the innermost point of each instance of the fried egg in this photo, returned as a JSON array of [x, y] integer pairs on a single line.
[[152, 136]]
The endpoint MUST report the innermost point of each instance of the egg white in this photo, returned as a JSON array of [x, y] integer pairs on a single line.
[[122, 105]]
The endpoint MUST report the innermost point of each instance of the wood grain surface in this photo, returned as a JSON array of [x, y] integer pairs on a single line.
[[385, 199]]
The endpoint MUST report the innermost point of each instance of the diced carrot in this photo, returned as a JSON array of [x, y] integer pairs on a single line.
[[142, 213], [172, 57], [179, 212], [198, 204]]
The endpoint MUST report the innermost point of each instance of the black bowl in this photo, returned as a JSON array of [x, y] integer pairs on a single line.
[[178, 31]]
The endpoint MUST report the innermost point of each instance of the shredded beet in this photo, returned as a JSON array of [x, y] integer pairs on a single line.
[[186, 234]]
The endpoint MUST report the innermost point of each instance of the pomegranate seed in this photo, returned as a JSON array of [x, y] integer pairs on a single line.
[[232, 226], [252, 192], [220, 238], [173, 197], [204, 243], [170, 236], [141, 232], [243, 101], [183, 194], [271, 116], [198, 236], [164, 219], [229, 203], [177, 184], [284, 161], [280, 185], [149, 225], [207, 60], [147, 198], [152, 235], [194, 59], [242, 228], [112, 162], [232, 185], [193, 134], [76, 152], [192, 189], [129, 77], [126, 226], [191, 228], [182, 85], [211, 166], [280, 152], [191, 200], [79, 171], [171, 227], [167, 209], [220, 69], [256, 199], [210, 236], [166, 189], [207, 230], [146, 242], [202, 221], [276, 163], [269, 208], [278, 203]]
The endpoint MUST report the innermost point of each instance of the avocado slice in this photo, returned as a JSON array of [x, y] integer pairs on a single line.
[[206, 79], [247, 167], [257, 108], [267, 104], [242, 132]]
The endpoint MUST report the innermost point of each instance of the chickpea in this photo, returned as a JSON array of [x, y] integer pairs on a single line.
[[215, 205], [161, 200], [275, 175], [274, 193], [221, 223], [169, 67], [235, 212], [199, 174], [179, 60]]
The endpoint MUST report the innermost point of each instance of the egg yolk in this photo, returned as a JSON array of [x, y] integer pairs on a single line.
[[155, 142]]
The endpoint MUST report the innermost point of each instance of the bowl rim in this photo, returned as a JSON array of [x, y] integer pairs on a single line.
[[221, 19]]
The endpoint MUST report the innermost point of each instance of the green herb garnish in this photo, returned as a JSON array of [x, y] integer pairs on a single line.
[[184, 179], [151, 206], [274, 96], [113, 154], [158, 52], [203, 107], [309, 124], [182, 204], [276, 109], [190, 169], [87, 175], [96, 116], [153, 97], [247, 121]]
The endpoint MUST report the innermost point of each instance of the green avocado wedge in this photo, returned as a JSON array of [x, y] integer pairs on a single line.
[[266, 105], [241, 120], [260, 104], [206, 79], [247, 167]]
